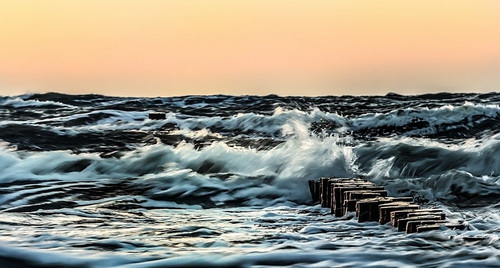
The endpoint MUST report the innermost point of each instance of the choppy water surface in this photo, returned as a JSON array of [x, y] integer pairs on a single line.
[[90, 181]]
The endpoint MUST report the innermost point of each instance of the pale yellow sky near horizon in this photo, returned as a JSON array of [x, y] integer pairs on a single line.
[[285, 47]]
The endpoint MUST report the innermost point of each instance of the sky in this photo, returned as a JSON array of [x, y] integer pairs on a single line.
[[241, 47]]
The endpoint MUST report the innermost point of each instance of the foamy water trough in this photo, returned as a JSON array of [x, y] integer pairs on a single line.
[[372, 203]]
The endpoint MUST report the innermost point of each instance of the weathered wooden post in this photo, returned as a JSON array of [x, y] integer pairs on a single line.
[[402, 223], [386, 209], [313, 190], [411, 226], [368, 209], [339, 194], [323, 186], [399, 214], [352, 197]]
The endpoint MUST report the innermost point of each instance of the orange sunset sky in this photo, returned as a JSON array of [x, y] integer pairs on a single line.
[[285, 47]]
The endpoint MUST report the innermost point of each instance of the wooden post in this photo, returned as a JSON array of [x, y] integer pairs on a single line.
[[402, 223], [386, 209], [323, 190], [352, 197], [367, 209], [396, 215], [313, 190], [338, 195], [399, 214], [411, 226]]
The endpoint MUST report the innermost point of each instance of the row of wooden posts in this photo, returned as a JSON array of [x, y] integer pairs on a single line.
[[372, 203]]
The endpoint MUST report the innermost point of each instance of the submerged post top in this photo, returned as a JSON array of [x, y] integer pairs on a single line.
[[157, 116]]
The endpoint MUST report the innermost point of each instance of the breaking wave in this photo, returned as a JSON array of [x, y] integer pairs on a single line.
[[91, 181]]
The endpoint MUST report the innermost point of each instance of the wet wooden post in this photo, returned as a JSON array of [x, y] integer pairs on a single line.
[[310, 184], [324, 191], [399, 214], [339, 195], [352, 197], [411, 226], [402, 223], [396, 215], [321, 190], [313, 190], [386, 209], [368, 209]]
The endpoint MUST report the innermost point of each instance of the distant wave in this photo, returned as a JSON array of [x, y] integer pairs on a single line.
[[17, 102]]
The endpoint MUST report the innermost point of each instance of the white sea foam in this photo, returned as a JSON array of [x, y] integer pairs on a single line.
[[280, 171], [18, 102], [282, 123], [222, 205], [431, 169], [278, 122], [225, 173], [434, 116], [246, 237]]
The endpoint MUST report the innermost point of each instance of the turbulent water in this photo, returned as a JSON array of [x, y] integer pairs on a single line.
[[90, 181]]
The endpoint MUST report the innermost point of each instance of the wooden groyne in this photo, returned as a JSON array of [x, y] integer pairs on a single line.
[[372, 203]]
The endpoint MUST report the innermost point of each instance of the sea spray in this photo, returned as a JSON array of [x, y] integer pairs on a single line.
[[90, 181]]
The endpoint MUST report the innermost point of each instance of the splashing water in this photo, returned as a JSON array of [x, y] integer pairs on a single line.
[[90, 181]]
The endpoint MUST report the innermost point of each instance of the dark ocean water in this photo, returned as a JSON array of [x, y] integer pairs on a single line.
[[90, 181]]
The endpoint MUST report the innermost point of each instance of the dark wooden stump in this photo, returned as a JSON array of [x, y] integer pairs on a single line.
[[352, 197], [323, 188], [368, 209], [338, 195]]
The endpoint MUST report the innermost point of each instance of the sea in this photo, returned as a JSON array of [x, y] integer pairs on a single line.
[[89, 181]]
